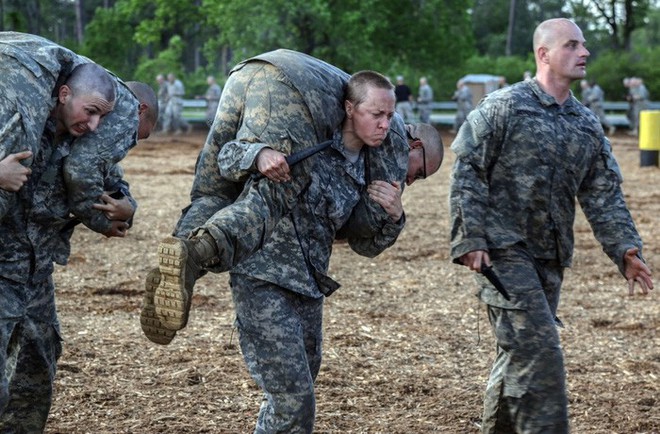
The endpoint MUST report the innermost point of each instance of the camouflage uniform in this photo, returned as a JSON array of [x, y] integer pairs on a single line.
[[28, 81], [161, 94], [35, 234], [174, 120], [29, 330], [463, 98], [297, 103], [212, 97], [424, 103], [278, 291], [639, 97], [522, 159], [40, 66], [594, 98]]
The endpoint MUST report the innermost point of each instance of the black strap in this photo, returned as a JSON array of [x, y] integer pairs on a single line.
[[297, 157]]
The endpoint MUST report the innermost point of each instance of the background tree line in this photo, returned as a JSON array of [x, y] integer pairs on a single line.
[[440, 39]]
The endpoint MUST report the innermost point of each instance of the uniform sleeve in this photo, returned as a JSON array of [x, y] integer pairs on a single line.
[[369, 230], [474, 147], [602, 201], [237, 159]]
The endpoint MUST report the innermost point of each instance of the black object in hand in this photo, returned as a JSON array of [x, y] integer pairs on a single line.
[[492, 278]]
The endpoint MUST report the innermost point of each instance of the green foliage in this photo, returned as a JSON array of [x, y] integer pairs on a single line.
[[108, 42], [612, 67], [439, 39], [167, 60], [430, 38], [490, 22]]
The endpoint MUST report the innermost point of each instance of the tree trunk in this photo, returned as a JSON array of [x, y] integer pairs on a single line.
[[80, 25]]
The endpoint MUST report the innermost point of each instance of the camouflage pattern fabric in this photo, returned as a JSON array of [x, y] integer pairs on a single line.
[[246, 113], [521, 160], [308, 111], [173, 116], [278, 290], [594, 98], [29, 348], [26, 98], [297, 254], [30, 232], [39, 66], [212, 97], [29, 332], [286, 278], [639, 96], [370, 230], [526, 389], [278, 116], [463, 98], [269, 319], [35, 234]]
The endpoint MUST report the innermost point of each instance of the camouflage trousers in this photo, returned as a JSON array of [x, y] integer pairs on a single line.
[[280, 334], [29, 348], [271, 112], [526, 391]]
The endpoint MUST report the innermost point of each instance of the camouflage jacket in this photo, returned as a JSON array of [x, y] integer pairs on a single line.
[[36, 232], [44, 66], [321, 85], [31, 230], [521, 160], [297, 254]]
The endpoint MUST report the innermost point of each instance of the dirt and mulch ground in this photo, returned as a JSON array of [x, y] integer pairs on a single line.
[[407, 345]]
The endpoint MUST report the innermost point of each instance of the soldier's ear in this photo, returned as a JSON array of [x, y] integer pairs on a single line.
[[348, 106], [64, 93]]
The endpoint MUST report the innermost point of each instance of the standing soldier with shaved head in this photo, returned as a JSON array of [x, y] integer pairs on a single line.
[[522, 158]]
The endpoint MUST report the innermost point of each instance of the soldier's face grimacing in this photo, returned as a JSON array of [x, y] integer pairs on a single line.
[[371, 118]]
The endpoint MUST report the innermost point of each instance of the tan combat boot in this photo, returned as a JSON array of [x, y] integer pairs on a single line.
[[181, 262], [150, 322]]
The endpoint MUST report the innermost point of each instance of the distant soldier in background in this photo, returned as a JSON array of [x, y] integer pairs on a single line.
[[212, 97], [424, 101], [404, 98], [161, 92], [593, 97], [639, 100], [464, 105], [174, 120]]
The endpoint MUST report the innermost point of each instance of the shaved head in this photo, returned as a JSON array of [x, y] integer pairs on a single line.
[[88, 78], [432, 141], [545, 33]]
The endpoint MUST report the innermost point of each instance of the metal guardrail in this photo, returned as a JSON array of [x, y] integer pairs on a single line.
[[443, 112]]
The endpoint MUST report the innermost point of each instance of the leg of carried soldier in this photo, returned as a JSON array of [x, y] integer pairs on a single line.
[[526, 390], [280, 334], [210, 191], [275, 113], [25, 101]]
